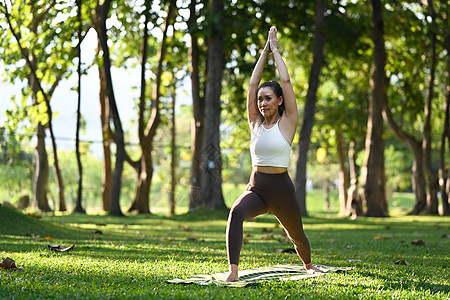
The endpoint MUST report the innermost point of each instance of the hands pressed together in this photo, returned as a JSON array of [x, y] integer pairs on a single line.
[[272, 40]]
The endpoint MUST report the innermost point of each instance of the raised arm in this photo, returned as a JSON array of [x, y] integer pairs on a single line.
[[253, 114], [289, 120]]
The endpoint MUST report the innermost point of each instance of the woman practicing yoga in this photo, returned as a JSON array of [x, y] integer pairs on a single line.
[[273, 117]]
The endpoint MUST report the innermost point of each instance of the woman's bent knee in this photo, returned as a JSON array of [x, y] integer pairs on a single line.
[[236, 214]]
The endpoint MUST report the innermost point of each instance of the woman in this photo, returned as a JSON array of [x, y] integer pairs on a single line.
[[273, 117]]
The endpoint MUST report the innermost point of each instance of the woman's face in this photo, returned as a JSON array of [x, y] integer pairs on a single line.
[[268, 102]]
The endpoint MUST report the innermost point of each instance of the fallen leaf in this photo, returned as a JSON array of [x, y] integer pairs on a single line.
[[33, 215], [418, 242], [245, 241], [8, 263], [185, 228], [382, 237], [167, 239], [193, 239], [267, 237], [332, 240], [49, 237], [288, 250], [266, 230], [96, 231], [402, 262], [247, 235], [58, 248]]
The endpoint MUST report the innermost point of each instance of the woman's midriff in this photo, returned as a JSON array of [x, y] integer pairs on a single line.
[[269, 170]]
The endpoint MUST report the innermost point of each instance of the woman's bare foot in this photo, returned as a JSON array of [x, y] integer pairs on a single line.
[[233, 274], [312, 270]]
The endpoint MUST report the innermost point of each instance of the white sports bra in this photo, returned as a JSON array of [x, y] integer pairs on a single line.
[[268, 147]]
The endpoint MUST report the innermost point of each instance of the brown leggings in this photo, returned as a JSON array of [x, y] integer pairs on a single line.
[[273, 193]]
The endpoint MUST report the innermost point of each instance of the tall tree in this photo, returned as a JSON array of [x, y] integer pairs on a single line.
[[33, 42], [444, 177], [399, 112], [310, 104], [373, 176], [102, 12], [173, 148], [78, 206], [211, 161], [105, 118], [147, 130], [198, 108], [432, 203]]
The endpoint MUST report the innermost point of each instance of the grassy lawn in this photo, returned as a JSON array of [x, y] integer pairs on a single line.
[[132, 257]]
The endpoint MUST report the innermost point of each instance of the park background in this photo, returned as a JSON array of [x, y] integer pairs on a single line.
[[134, 61], [150, 124]]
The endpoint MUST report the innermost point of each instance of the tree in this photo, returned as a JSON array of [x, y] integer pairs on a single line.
[[432, 203], [198, 108], [34, 37], [444, 179], [407, 112], [211, 161], [173, 157], [310, 104], [78, 207], [373, 185], [100, 19], [147, 130]]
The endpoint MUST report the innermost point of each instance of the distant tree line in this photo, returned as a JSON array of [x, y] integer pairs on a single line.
[[364, 73]]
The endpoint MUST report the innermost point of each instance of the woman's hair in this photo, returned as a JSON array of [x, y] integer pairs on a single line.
[[276, 88]]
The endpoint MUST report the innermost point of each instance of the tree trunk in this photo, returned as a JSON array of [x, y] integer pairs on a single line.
[[144, 169], [352, 193], [211, 161], [373, 176], [418, 180], [432, 202], [310, 105], [147, 134], [102, 15], [106, 138], [78, 207], [41, 172], [173, 148], [198, 111], [343, 172], [444, 177]]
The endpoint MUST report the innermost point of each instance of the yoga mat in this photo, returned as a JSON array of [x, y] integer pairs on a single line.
[[254, 276]]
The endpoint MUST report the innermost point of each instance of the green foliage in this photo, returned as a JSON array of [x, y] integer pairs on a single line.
[[48, 30], [398, 168]]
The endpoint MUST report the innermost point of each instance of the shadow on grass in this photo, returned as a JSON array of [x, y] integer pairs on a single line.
[[419, 284]]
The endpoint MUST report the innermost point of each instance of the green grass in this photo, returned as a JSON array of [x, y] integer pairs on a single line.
[[135, 255]]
